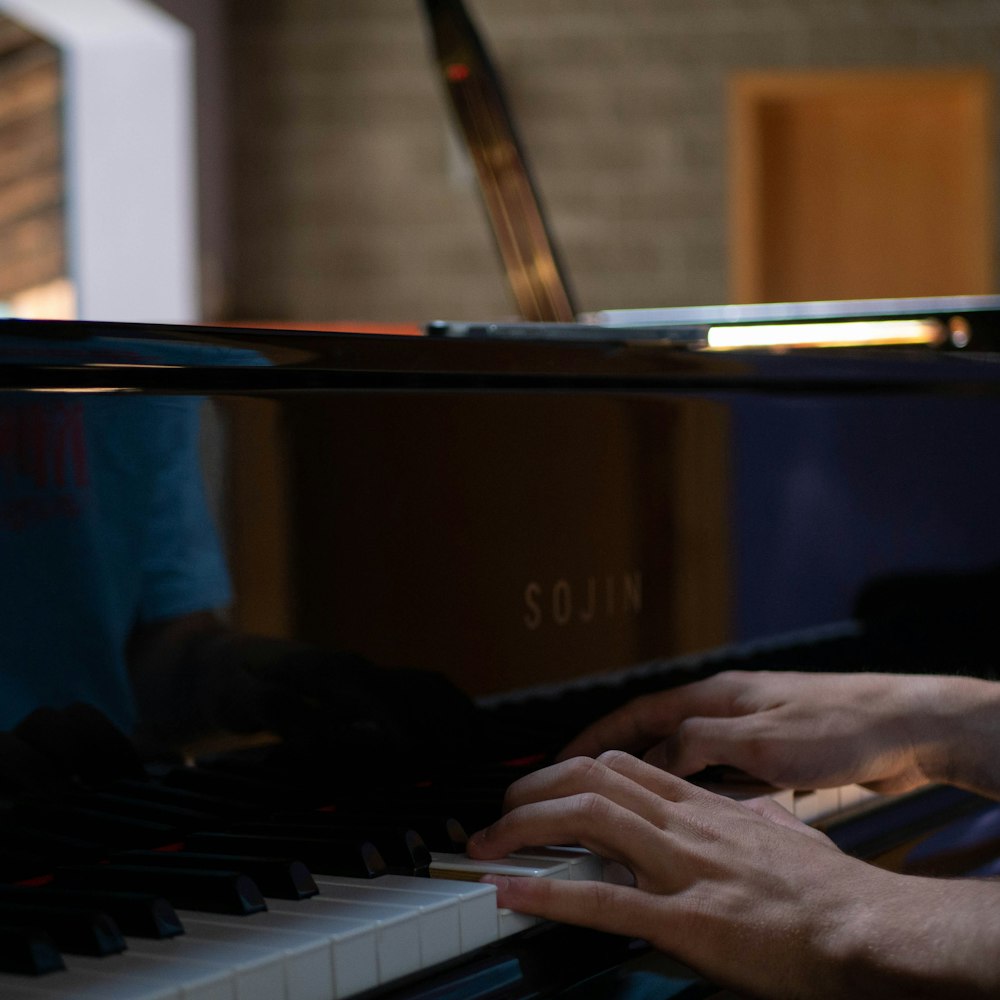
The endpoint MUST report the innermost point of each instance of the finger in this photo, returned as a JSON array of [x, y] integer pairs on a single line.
[[590, 820], [745, 742], [652, 779], [678, 790], [586, 775], [616, 909], [641, 723]]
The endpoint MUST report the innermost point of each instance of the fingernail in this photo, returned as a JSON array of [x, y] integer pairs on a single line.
[[502, 882]]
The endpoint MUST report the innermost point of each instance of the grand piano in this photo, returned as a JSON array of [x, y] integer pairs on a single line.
[[555, 519]]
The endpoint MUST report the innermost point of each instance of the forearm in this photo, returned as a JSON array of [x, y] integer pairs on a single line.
[[907, 937], [957, 735], [871, 935]]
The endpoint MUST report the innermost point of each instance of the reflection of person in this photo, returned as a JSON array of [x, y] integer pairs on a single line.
[[103, 525], [742, 891], [114, 587]]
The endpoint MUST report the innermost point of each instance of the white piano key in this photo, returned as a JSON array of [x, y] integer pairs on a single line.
[[305, 954], [194, 980], [459, 866], [510, 922], [257, 966], [584, 865], [439, 923], [82, 984], [856, 795], [477, 903], [813, 805], [351, 942], [397, 932], [785, 797]]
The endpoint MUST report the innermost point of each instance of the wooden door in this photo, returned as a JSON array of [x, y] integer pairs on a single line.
[[861, 185]]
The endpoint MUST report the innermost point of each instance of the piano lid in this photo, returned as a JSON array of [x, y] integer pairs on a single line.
[[36, 354], [523, 237], [519, 510]]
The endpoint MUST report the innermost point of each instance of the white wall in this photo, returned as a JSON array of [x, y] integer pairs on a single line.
[[129, 155]]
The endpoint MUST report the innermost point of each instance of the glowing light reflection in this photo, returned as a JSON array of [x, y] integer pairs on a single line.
[[852, 333]]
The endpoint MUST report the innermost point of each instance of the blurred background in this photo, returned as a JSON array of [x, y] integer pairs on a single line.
[[295, 162], [687, 151]]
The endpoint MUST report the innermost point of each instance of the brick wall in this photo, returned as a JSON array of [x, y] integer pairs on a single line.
[[32, 248], [351, 201]]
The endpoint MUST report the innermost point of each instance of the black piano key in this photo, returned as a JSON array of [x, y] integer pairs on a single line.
[[95, 826], [80, 740], [15, 867], [211, 891], [138, 914], [213, 805], [471, 813], [77, 930], [403, 850], [173, 816], [279, 878], [231, 786], [23, 770], [323, 856], [303, 780], [44, 843], [438, 830], [28, 951]]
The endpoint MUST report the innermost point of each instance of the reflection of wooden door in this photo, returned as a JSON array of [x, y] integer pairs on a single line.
[[861, 185]]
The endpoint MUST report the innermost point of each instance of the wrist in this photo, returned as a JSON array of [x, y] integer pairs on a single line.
[[908, 937], [957, 732]]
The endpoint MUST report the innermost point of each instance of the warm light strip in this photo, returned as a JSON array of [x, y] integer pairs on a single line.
[[88, 390], [853, 333]]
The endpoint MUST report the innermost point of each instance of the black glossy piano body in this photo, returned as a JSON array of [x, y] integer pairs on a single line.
[[537, 518]]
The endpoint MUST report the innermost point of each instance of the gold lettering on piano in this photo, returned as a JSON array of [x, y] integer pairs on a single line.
[[562, 602], [566, 601]]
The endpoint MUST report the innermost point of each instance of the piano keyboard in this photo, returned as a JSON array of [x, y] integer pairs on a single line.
[[237, 880], [353, 935], [323, 934]]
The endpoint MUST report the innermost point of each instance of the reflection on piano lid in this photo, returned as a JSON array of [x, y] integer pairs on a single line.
[[43, 354], [958, 322], [639, 501]]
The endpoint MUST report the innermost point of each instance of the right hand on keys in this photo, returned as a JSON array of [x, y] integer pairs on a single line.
[[746, 895], [797, 730]]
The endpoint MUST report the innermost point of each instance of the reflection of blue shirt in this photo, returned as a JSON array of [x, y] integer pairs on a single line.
[[103, 524]]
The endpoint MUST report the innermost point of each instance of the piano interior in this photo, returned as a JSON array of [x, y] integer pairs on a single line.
[[556, 527]]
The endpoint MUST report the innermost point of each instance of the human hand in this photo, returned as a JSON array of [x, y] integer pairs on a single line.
[[194, 676], [743, 893], [327, 704], [716, 881], [798, 730]]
